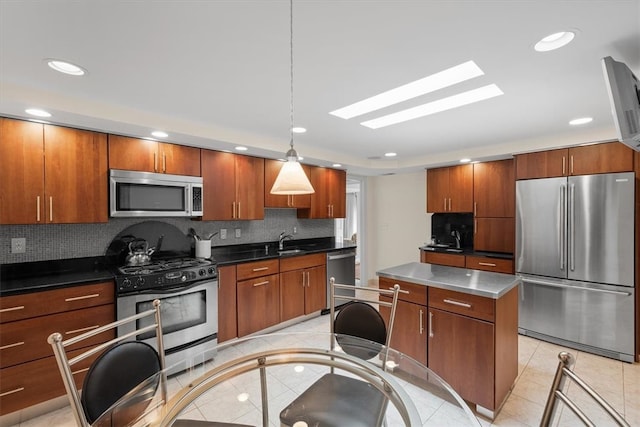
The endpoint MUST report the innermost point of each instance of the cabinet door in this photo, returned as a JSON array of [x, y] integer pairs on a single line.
[[249, 187], [320, 200], [219, 182], [494, 189], [75, 176], [438, 190], [179, 159], [337, 188], [544, 164], [494, 234], [461, 351], [409, 331], [258, 304], [440, 258], [227, 315], [22, 172], [133, 154], [271, 170], [316, 289], [292, 290], [461, 188], [600, 158]]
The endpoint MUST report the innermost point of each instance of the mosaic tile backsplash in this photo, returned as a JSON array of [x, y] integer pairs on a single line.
[[61, 241]]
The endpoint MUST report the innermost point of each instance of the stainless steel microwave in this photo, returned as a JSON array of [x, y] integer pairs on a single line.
[[146, 194]]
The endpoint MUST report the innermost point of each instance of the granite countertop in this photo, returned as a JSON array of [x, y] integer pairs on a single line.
[[466, 251], [476, 282]]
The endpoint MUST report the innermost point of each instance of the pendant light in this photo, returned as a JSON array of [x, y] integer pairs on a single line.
[[291, 179]]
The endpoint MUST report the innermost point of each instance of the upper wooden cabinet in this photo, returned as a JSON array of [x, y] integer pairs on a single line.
[[233, 185], [583, 160], [494, 189], [450, 189], [52, 174], [271, 170], [152, 156], [330, 197]]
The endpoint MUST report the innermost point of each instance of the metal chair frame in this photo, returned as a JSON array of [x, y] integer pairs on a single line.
[[564, 371]]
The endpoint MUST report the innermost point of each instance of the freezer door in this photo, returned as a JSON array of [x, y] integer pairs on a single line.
[[601, 228], [541, 227]]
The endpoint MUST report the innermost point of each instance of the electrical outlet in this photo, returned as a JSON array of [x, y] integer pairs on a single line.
[[238, 233], [18, 245], [223, 233], [295, 230]]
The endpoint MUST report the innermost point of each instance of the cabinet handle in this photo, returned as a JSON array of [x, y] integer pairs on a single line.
[[50, 208], [238, 217], [303, 280], [38, 209], [445, 204], [155, 162], [164, 162], [15, 344], [308, 279], [421, 326], [266, 282], [449, 204], [17, 307], [233, 210], [475, 226], [430, 324], [15, 390], [571, 168], [488, 264], [475, 208], [564, 167], [260, 269], [76, 331], [458, 303], [81, 297]]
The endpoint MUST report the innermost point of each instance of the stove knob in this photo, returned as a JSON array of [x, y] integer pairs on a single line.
[[202, 272], [139, 282], [183, 278], [212, 270], [126, 283]]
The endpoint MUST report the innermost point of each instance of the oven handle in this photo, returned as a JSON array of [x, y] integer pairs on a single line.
[[172, 289]]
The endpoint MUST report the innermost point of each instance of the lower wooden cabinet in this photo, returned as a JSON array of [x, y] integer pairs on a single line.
[[303, 285], [258, 304], [439, 258], [227, 301], [497, 265], [494, 234]]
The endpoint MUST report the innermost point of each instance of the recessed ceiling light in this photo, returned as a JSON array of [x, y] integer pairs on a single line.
[[336, 165], [465, 160], [554, 41], [442, 79], [37, 112], [464, 98], [581, 121], [390, 154], [159, 134], [298, 129], [66, 67], [240, 148]]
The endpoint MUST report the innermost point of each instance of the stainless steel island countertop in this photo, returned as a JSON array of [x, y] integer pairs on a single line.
[[475, 282]]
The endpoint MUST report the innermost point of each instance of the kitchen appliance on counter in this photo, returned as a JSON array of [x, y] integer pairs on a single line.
[[575, 254]]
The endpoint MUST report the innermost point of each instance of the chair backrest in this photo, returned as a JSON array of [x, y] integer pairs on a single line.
[[358, 318], [564, 371], [122, 365]]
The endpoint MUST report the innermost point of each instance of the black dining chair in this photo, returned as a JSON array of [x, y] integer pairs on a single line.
[[336, 400], [127, 372]]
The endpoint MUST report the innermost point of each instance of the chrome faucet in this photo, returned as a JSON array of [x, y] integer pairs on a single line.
[[456, 235], [282, 238]]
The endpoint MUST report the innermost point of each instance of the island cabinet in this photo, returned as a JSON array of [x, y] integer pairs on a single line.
[[144, 155], [330, 197], [258, 295], [303, 285], [440, 258], [271, 170], [52, 174], [227, 303], [29, 373], [450, 189], [233, 185]]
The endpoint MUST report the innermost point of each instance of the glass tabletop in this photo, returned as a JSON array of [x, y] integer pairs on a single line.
[[251, 380]]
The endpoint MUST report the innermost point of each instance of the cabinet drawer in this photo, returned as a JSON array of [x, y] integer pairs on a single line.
[[258, 304], [16, 307], [497, 265], [304, 261], [443, 259], [461, 303], [26, 340], [409, 292], [258, 268]]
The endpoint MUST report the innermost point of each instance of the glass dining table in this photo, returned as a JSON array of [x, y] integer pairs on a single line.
[[249, 381]]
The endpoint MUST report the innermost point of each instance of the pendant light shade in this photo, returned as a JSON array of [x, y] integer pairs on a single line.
[[291, 179]]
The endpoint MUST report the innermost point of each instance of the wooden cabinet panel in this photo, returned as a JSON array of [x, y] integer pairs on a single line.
[[303, 290], [466, 304], [292, 290], [494, 234], [437, 190], [249, 187], [409, 292], [440, 258], [258, 304], [544, 164], [329, 199], [494, 189], [179, 159], [409, 332], [271, 170], [600, 158], [497, 265], [253, 269], [227, 302], [23, 306], [461, 351], [304, 261], [315, 298], [450, 189], [144, 155]]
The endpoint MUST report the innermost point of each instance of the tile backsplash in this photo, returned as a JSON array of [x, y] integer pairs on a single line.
[[61, 241]]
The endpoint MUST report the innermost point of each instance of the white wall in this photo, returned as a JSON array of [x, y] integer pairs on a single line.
[[396, 221]]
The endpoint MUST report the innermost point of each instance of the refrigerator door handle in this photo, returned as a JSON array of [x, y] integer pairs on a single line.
[[558, 285], [562, 235], [572, 227]]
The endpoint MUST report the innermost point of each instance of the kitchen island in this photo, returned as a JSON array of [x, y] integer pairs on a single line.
[[462, 324]]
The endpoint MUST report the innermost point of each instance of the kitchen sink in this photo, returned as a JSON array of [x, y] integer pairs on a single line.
[[290, 252]]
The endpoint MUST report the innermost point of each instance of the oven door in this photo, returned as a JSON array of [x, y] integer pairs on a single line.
[[189, 314]]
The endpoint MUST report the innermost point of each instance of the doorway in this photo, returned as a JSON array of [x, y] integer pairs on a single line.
[[349, 228]]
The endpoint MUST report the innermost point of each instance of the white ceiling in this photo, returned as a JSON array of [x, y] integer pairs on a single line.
[[216, 74]]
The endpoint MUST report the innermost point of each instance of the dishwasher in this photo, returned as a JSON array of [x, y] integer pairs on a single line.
[[341, 265]]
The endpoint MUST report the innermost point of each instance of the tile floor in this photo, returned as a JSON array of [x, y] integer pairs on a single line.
[[617, 382]]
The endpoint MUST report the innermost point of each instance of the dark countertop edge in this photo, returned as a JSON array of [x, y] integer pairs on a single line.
[[54, 281], [471, 252]]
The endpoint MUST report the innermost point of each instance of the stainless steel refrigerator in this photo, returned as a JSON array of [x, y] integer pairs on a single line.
[[575, 254]]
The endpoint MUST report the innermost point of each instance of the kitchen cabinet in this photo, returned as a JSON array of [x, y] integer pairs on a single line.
[[582, 160], [29, 372], [494, 189], [330, 197], [303, 285], [271, 170], [494, 234], [440, 258], [52, 174], [233, 186], [152, 156], [497, 265], [450, 189], [258, 296], [227, 301]]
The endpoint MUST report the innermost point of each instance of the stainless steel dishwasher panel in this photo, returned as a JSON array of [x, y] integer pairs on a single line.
[[341, 265]]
